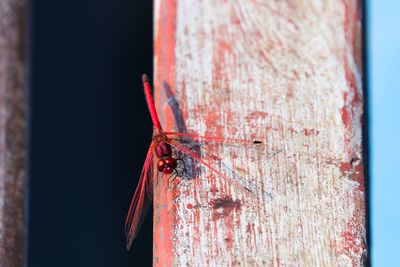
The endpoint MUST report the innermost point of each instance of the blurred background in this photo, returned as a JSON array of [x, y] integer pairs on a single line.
[[90, 130]]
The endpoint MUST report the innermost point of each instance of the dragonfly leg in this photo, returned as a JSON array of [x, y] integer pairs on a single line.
[[171, 180]]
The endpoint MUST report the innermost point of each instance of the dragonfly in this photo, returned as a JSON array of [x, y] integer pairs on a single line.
[[161, 152]]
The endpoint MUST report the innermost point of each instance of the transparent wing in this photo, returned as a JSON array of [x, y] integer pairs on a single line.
[[239, 162], [214, 139], [142, 199]]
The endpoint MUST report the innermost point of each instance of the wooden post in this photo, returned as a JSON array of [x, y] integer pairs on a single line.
[[12, 131], [288, 72]]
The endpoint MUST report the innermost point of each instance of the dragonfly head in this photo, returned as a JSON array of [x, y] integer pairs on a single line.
[[166, 165]]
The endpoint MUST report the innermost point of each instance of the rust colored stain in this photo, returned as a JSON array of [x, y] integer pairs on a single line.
[[224, 206]]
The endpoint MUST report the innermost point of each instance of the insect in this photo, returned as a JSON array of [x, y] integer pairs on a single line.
[[160, 151]]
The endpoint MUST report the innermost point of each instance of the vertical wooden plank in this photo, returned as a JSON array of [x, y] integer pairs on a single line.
[[289, 73], [164, 59], [12, 131]]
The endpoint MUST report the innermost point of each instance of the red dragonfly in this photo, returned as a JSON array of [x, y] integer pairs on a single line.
[[161, 148]]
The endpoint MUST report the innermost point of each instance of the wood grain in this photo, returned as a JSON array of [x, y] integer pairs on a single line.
[[12, 131], [287, 72]]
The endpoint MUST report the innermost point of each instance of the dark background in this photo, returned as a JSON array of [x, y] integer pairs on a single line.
[[89, 130]]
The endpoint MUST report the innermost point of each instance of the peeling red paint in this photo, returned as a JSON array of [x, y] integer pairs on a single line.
[[351, 98], [256, 114], [165, 73], [229, 240], [289, 93], [308, 132], [350, 242]]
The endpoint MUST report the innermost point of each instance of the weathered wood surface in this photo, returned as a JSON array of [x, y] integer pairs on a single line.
[[287, 72], [12, 131]]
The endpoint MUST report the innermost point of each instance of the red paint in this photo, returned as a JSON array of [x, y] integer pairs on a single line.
[[165, 74], [223, 49], [164, 47], [289, 93], [229, 240], [256, 114], [250, 228], [351, 97], [351, 242], [308, 132]]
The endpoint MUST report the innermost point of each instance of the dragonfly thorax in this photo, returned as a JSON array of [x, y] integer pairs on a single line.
[[163, 150], [166, 162]]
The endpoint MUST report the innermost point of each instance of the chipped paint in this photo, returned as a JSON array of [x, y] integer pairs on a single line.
[[287, 72], [164, 75]]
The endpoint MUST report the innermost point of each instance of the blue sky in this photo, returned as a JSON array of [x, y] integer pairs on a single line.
[[384, 103]]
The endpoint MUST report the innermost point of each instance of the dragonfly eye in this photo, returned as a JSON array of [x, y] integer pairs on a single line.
[[168, 170], [171, 162], [166, 165], [161, 165]]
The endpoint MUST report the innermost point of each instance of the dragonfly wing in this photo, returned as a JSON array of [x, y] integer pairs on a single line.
[[142, 199], [221, 169], [214, 139]]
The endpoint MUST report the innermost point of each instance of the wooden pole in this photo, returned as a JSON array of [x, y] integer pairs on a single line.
[[12, 131], [288, 72]]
